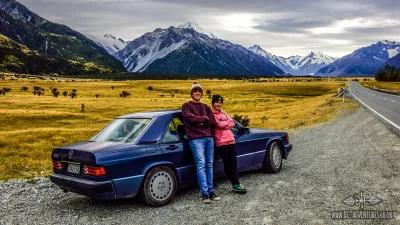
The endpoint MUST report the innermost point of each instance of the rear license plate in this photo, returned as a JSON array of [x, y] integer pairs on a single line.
[[73, 168]]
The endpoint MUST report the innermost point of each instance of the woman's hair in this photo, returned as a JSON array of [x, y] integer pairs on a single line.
[[216, 98]]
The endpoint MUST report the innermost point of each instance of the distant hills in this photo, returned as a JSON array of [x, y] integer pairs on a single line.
[[18, 58], [296, 65], [394, 61], [54, 41], [362, 62]]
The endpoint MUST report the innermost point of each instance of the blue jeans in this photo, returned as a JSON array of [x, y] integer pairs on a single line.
[[203, 151]]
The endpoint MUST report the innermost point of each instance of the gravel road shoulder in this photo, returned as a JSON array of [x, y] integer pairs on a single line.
[[328, 164]]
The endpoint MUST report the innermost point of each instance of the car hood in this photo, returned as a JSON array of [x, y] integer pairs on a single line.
[[261, 132]]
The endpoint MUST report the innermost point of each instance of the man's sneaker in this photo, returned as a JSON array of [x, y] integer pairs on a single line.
[[205, 199], [214, 197], [239, 188]]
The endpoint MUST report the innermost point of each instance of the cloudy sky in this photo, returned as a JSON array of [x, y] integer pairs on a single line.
[[284, 27]]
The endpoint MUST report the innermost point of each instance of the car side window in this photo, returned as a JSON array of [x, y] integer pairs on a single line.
[[171, 135], [235, 129]]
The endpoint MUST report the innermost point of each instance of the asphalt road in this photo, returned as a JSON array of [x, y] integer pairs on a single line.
[[328, 164], [385, 107]]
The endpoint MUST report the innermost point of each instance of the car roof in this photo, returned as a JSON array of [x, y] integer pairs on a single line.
[[150, 114]]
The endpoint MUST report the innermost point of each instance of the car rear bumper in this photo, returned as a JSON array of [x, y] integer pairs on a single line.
[[100, 190], [288, 148]]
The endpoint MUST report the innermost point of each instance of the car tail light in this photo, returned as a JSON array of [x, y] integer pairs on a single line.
[[94, 170], [287, 138], [58, 165]]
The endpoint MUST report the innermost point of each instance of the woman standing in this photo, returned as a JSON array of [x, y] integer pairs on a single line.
[[225, 143]]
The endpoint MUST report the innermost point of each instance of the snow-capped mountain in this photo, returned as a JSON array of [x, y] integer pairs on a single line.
[[363, 61], [296, 65], [185, 51], [196, 27], [110, 43]]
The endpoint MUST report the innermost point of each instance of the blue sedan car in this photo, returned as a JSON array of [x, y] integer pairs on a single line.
[[147, 154]]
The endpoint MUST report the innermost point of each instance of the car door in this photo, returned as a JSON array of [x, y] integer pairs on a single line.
[[176, 149], [244, 147]]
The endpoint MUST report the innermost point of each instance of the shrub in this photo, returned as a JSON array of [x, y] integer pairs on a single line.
[[73, 94], [208, 92], [124, 94], [37, 88], [6, 90], [244, 120], [65, 93], [24, 88], [55, 92], [264, 119], [150, 88]]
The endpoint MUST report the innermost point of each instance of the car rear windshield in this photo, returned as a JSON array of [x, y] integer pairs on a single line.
[[122, 130]]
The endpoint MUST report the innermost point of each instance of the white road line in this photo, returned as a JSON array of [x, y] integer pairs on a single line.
[[364, 91], [375, 95], [387, 120], [397, 96]]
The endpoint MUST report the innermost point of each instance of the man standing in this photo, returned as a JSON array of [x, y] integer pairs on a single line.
[[198, 119]]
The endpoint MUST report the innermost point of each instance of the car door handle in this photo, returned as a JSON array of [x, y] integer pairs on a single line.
[[171, 147]]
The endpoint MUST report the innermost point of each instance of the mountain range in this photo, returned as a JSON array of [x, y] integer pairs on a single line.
[[296, 65], [363, 61]]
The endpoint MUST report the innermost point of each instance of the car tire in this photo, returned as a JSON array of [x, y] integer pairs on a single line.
[[273, 158], [159, 186]]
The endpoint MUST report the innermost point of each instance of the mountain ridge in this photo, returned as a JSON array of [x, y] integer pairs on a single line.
[[51, 39], [184, 50], [362, 61], [296, 65]]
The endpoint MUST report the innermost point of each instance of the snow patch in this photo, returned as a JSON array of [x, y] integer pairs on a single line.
[[155, 54], [110, 43], [393, 52], [196, 27]]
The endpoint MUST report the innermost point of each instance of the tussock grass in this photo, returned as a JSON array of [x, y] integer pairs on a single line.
[[393, 86], [31, 126]]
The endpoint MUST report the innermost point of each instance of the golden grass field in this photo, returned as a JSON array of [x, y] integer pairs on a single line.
[[393, 86], [32, 125]]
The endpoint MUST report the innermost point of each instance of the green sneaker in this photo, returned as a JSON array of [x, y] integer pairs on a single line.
[[239, 188]]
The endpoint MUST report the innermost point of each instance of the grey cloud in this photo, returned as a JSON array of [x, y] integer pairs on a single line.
[[291, 25]]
